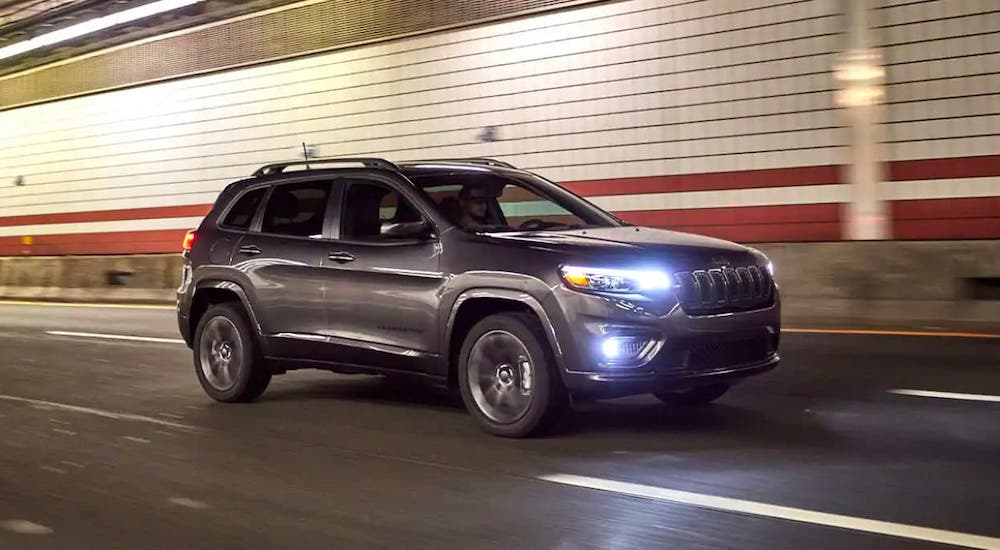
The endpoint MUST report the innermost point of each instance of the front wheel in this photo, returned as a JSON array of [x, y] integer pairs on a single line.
[[508, 377], [693, 397], [225, 356]]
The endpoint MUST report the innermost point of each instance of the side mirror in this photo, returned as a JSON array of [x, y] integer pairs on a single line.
[[407, 230]]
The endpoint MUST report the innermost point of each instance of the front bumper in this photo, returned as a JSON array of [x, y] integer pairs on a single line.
[[690, 351]]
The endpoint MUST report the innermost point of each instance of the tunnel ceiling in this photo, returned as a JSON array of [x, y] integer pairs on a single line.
[[24, 19]]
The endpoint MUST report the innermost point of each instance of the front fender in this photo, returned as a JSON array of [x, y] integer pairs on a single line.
[[522, 289]]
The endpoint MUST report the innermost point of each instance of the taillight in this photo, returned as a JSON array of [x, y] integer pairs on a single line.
[[189, 239]]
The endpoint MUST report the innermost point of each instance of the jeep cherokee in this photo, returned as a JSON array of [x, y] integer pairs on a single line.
[[471, 273]]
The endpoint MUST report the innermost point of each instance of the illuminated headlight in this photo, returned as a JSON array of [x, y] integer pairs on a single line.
[[627, 281], [768, 263]]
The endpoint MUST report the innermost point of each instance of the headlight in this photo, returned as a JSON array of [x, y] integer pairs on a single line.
[[768, 263], [602, 279]]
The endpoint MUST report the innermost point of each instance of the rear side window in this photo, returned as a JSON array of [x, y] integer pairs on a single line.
[[241, 214], [371, 209], [297, 209]]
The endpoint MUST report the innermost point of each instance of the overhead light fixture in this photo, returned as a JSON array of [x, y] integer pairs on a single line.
[[94, 25]]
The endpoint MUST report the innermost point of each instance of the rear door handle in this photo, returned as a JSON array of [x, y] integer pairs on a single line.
[[251, 250], [341, 257]]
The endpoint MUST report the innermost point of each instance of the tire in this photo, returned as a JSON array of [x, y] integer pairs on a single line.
[[530, 405], [242, 378], [693, 397]]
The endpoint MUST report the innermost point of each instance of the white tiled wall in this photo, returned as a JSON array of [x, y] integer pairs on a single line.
[[621, 89], [943, 77]]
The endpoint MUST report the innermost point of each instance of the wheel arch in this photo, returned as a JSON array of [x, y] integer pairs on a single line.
[[474, 304], [209, 292]]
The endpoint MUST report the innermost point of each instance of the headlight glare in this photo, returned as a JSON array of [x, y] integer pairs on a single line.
[[602, 279]]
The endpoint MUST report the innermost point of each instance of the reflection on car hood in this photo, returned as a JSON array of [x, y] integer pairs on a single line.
[[627, 237]]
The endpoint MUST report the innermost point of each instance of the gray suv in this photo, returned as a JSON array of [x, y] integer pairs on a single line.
[[470, 273]]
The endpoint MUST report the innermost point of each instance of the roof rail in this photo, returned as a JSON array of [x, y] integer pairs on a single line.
[[476, 160], [369, 162]]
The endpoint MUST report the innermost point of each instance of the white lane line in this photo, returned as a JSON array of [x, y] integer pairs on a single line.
[[97, 412], [83, 304], [62, 431], [134, 439], [115, 337], [949, 395], [53, 469], [187, 503], [778, 512], [24, 527]]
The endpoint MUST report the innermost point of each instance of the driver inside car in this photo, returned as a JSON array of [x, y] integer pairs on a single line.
[[475, 208]]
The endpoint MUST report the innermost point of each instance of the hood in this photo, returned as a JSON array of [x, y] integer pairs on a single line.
[[635, 242]]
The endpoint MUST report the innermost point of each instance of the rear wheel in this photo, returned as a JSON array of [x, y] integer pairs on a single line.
[[225, 356], [508, 377], [693, 397]]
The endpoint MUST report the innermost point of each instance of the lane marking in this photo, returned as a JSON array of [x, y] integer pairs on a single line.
[[83, 304], [24, 527], [53, 469], [134, 439], [949, 395], [891, 332], [188, 503], [777, 512], [98, 412], [62, 431], [125, 337]]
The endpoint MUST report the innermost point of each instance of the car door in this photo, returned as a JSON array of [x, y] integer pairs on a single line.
[[282, 258], [383, 288]]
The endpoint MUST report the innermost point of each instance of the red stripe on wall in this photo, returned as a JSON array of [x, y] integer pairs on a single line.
[[123, 242], [713, 181], [802, 222], [945, 168], [109, 215], [971, 218]]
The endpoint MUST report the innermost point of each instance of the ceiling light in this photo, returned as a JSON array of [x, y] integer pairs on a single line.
[[93, 25]]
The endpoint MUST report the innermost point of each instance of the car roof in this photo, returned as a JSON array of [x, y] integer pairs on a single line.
[[274, 173]]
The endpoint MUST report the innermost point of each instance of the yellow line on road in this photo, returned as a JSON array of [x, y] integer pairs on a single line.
[[83, 304], [891, 332]]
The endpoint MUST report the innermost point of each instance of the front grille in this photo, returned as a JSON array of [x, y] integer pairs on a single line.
[[724, 290]]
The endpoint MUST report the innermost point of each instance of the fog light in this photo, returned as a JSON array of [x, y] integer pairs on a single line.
[[612, 348], [624, 350]]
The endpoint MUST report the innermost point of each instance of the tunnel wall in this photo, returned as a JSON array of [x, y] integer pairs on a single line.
[[918, 284], [712, 117]]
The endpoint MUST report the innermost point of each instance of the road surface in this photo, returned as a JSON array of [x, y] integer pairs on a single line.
[[108, 443]]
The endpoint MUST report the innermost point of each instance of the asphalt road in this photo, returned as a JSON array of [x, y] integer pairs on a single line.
[[112, 444]]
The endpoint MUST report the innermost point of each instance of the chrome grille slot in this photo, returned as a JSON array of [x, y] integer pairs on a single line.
[[721, 288], [724, 290]]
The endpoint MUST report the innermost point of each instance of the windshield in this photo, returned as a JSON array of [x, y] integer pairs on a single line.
[[490, 202]]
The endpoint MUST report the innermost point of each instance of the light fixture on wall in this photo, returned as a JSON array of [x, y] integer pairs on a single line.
[[94, 25], [859, 74]]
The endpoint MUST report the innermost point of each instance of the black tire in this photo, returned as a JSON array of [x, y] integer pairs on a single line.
[[251, 376], [548, 399], [693, 397]]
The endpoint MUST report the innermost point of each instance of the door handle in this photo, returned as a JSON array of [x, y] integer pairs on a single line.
[[341, 257], [251, 250]]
